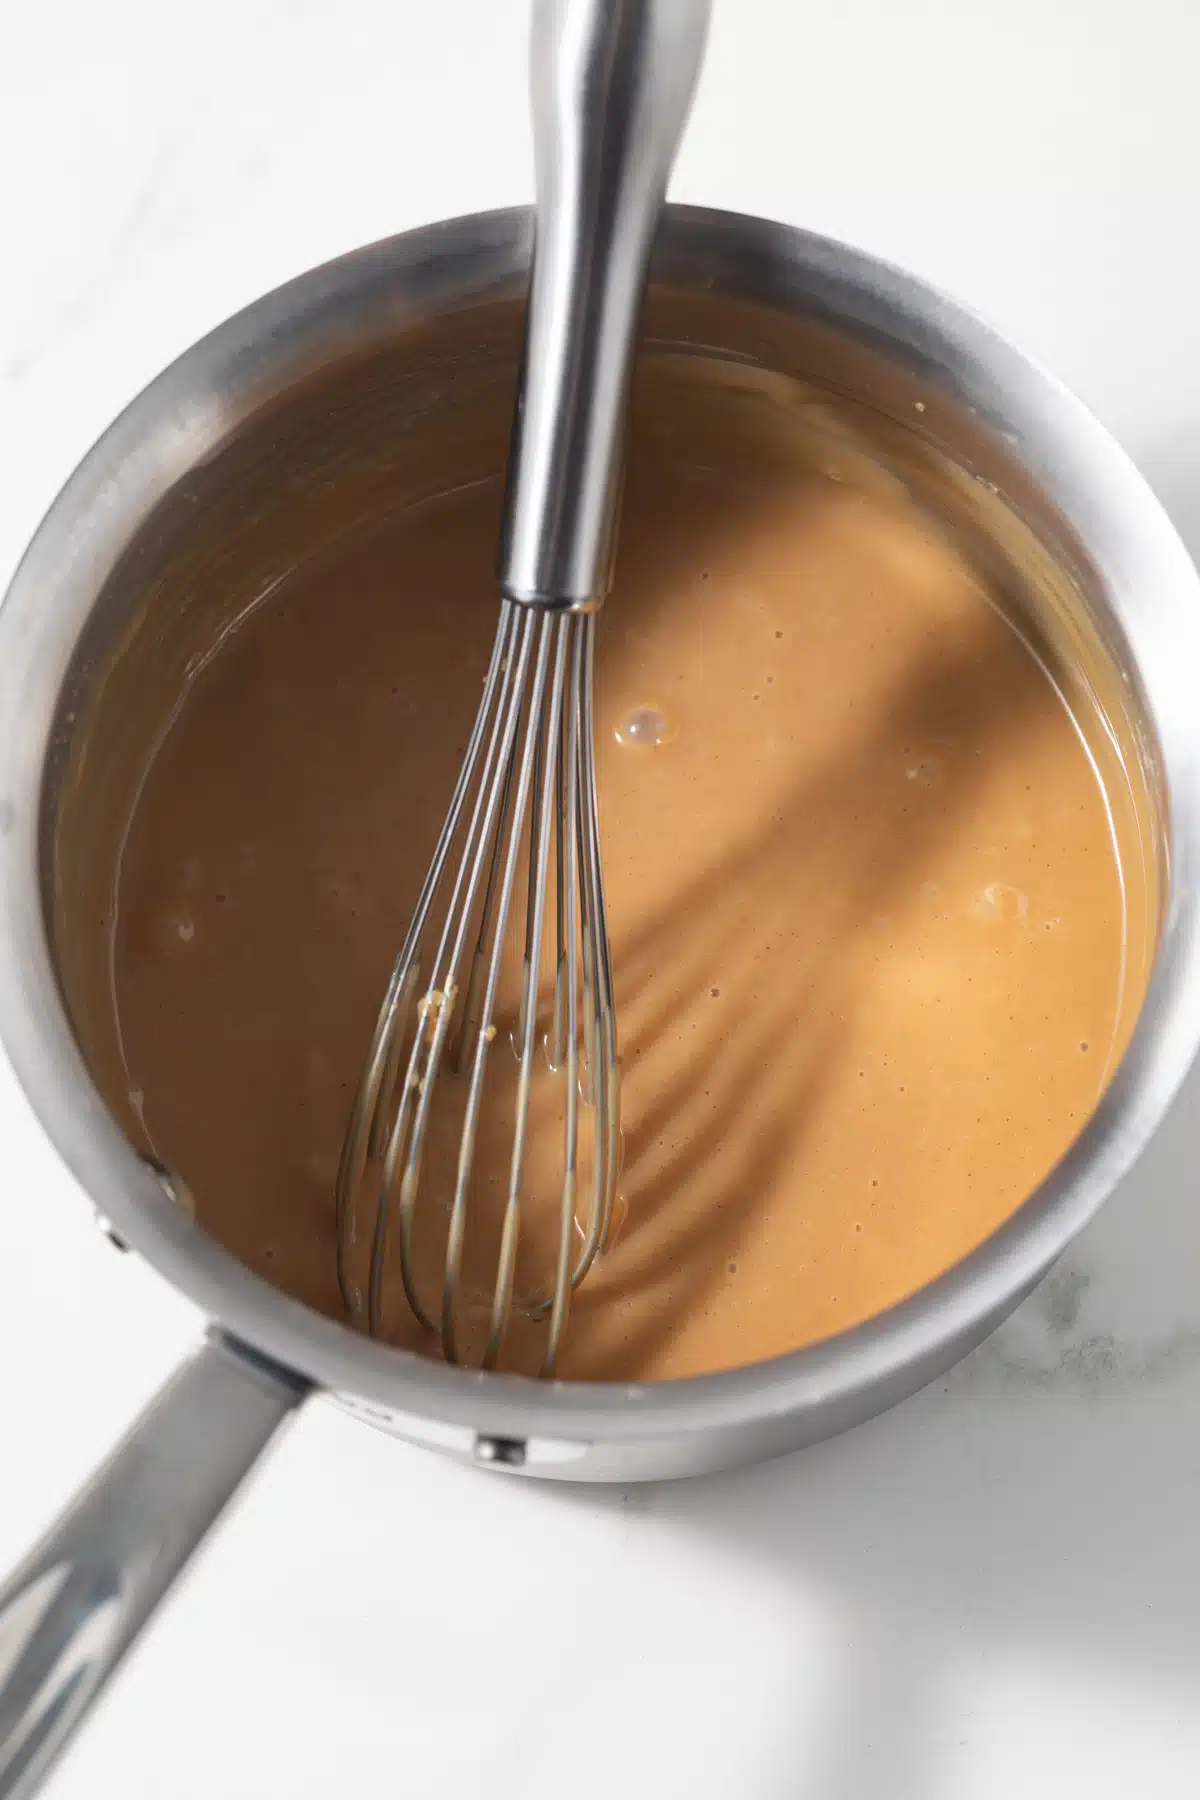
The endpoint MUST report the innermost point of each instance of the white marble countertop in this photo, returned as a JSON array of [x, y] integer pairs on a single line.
[[995, 1590]]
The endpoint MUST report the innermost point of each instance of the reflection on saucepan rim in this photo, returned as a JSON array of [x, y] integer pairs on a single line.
[[879, 843]]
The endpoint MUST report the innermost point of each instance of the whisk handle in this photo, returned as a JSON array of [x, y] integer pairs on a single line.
[[612, 82]]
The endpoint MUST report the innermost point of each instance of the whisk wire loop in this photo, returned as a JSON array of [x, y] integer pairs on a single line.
[[527, 789]]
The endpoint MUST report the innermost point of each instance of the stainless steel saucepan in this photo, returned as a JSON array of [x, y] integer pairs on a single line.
[[195, 461]]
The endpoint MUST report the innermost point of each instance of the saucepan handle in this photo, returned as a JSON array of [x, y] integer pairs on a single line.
[[72, 1609]]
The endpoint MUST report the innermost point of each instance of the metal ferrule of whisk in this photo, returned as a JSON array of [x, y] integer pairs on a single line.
[[611, 85]]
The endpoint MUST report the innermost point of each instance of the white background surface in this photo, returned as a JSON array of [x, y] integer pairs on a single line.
[[994, 1591]]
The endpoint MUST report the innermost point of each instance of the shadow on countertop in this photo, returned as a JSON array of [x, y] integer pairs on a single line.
[[1043, 1500], [1039, 1507], [1040, 1502]]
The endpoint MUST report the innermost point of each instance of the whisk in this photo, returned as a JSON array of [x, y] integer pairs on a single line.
[[611, 84]]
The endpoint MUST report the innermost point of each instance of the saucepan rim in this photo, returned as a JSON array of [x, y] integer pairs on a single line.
[[182, 417]]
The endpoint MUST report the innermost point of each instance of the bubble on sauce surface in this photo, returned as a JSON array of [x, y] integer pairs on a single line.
[[925, 764], [174, 929], [1001, 904], [644, 728]]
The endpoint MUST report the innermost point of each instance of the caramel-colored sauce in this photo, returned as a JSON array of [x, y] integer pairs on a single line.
[[878, 913]]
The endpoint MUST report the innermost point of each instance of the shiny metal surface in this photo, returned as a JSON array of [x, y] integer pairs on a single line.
[[882, 333], [527, 787], [611, 84], [72, 1609]]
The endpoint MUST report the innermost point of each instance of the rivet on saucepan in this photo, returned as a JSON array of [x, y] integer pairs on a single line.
[[500, 1452], [110, 1232]]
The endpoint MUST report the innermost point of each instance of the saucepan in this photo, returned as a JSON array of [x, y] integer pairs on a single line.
[[380, 333]]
